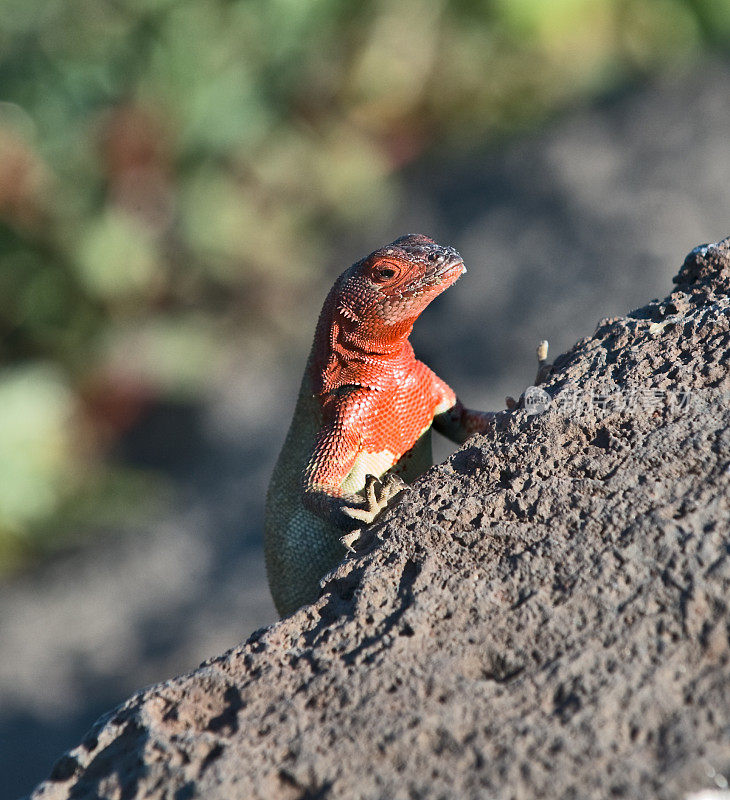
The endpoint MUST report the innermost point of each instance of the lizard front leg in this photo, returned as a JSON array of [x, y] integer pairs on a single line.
[[453, 419], [336, 452], [458, 423]]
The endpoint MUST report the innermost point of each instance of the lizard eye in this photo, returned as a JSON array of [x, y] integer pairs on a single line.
[[383, 273]]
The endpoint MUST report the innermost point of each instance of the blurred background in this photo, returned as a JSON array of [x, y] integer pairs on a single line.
[[181, 181]]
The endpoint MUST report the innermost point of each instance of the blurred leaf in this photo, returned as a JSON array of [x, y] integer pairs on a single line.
[[36, 407], [174, 356], [24, 16], [714, 19], [660, 32], [237, 232], [117, 257]]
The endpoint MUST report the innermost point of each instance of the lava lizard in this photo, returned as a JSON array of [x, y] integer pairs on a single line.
[[362, 424]]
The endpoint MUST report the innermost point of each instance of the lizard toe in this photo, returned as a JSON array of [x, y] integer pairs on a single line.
[[349, 539], [362, 514]]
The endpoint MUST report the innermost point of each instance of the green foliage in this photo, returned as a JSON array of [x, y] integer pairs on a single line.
[[36, 405], [171, 172]]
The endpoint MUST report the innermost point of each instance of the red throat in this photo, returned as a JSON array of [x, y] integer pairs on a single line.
[[349, 352]]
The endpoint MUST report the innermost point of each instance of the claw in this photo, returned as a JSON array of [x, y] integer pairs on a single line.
[[378, 493], [371, 483], [362, 514], [391, 486], [543, 368], [349, 539]]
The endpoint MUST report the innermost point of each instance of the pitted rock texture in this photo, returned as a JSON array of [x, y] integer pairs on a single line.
[[544, 615]]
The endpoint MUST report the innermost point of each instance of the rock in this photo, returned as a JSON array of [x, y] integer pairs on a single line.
[[544, 615]]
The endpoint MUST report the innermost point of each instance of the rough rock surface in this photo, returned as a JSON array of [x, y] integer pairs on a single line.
[[545, 615]]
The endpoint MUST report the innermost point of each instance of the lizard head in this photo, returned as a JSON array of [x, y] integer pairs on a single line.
[[384, 293], [370, 310]]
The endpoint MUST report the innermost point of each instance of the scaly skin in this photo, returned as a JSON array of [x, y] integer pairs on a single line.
[[366, 408]]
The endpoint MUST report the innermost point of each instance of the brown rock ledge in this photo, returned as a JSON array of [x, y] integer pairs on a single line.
[[544, 615]]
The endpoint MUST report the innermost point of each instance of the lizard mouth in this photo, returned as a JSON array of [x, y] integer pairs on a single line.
[[457, 265], [440, 277], [448, 265], [444, 267]]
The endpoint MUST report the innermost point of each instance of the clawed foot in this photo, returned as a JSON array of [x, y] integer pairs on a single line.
[[543, 368], [378, 494], [544, 371]]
